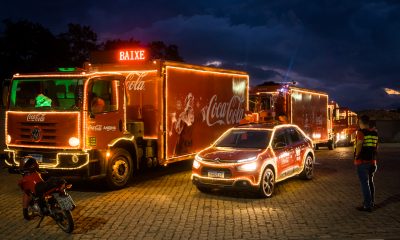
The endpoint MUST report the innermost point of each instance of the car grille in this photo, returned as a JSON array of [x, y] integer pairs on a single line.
[[216, 182]]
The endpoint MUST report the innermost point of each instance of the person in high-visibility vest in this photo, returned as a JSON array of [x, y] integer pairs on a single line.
[[365, 160]]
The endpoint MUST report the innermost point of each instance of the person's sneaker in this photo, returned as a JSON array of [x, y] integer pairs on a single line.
[[364, 209]]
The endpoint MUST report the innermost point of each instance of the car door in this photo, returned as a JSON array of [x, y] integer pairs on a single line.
[[296, 147], [280, 146]]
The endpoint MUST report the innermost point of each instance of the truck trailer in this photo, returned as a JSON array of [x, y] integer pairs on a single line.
[[111, 119], [287, 103]]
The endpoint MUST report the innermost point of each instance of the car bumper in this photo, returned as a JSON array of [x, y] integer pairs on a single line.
[[238, 183]]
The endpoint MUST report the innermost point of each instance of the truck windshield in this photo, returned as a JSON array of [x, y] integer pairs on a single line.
[[44, 94], [245, 139]]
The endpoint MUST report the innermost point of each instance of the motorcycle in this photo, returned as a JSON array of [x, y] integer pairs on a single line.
[[49, 198]]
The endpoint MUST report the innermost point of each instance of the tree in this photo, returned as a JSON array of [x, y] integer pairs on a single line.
[[115, 44], [80, 41], [27, 47], [159, 50]]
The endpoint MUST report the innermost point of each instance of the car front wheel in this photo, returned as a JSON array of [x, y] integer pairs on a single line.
[[267, 183]]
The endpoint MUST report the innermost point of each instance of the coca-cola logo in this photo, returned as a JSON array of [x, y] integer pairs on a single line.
[[135, 81], [33, 117], [99, 128], [223, 112], [96, 128]]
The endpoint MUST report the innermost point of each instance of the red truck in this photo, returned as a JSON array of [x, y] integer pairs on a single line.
[[286, 103], [344, 126], [111, 119]]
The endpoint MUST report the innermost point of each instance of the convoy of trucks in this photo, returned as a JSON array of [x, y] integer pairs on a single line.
[[125, 111]]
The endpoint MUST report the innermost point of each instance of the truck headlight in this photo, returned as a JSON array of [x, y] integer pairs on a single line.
[[73, 141], [343, 136], [196, 164], [248, 167]]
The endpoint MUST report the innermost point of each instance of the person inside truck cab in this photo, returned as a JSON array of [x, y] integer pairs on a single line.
[[97, 105]]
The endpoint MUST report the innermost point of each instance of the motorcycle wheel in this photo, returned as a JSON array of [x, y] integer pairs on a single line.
[[64, 220], [28, 213]]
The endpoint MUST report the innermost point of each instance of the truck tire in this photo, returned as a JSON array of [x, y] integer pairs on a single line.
[[119, 169]]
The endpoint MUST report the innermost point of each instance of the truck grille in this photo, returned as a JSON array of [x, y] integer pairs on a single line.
[[47, 133]]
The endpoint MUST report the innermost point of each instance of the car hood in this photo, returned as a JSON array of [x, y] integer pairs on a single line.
[[228, 154]]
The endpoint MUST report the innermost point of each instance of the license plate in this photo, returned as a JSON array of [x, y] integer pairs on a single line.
[[215, 174], [38, 157], [66, 202]]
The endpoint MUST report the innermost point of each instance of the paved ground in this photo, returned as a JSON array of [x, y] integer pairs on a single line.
[[164, 204]]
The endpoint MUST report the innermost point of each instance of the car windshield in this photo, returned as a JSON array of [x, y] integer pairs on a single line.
[[239, 138], [44, 94]]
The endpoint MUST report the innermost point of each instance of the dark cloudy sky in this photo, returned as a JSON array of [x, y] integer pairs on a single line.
[[348, 48]]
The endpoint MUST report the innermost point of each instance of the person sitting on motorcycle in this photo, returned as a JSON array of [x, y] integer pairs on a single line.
[[31, 177]]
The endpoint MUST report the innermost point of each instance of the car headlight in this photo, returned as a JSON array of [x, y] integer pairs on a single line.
[[73, 141], [196, 164], [247, 159], [198, 158], [248, 167]]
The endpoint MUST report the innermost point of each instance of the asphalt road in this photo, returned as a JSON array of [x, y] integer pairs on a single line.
[[163, 204]]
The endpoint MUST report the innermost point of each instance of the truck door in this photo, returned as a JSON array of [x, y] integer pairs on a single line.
[[106, 119]]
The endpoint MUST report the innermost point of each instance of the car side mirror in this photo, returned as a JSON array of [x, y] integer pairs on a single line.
[[279, 145]]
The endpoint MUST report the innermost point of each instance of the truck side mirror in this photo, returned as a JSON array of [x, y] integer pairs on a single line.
[[91, 114]]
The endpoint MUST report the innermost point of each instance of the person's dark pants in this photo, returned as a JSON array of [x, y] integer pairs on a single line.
[[366, 173]]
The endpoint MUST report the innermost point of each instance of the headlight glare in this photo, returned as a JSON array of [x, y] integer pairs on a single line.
[[196, 164], [248, 167], [73, 141]]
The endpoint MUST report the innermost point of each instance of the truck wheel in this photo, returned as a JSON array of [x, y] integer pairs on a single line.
[[308, 169], [119, 169], [267, 183]]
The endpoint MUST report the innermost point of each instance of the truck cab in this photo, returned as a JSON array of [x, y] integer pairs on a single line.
[[67, 121]]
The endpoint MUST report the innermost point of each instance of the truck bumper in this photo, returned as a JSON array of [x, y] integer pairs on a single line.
[[69, 164]]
